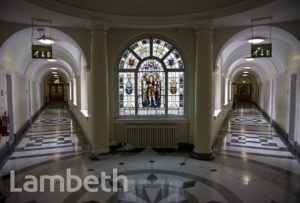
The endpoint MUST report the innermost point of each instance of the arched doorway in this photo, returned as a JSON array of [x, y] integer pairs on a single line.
[[56, 86], [245, 87]]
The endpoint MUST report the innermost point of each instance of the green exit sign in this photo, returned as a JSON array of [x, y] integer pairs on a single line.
[[261, 50], [41, 52]]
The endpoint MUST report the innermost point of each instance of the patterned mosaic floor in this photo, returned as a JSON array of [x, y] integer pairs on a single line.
[[253, 166], [52, 135], [249, 132]]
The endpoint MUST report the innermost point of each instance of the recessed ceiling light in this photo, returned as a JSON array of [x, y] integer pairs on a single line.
[[249, 59], [54, 72], [255, 40], [246, 72], [244, 81], [53, 68], [46, 40], [247, 67], [52, 60], [245, 75]]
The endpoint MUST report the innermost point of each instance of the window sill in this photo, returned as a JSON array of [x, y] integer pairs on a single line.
[[85, 113], [216, 113], [151, 120]]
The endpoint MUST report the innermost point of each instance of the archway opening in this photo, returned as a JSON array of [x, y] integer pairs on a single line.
[[56, 89], [245, 87]]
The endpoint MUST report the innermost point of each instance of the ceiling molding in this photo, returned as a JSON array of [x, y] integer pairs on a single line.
[[167, 21]]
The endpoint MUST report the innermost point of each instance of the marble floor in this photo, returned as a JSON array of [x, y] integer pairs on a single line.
[[252, 165], [53, 135]]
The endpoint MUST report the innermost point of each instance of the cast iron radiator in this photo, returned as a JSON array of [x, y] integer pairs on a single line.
[[162, 137]]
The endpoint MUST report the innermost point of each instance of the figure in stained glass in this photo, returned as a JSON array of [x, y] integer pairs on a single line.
[[151, 79], [129, 85], [151, 93]]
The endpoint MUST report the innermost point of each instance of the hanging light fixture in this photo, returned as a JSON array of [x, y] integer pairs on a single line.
[[249, 59], [52, 60], [46, 40], [255, 40]]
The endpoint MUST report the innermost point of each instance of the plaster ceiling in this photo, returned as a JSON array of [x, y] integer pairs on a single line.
[[147, 13], [279, 10], [149, 8]]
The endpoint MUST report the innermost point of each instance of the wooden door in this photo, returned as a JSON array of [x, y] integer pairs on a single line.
[[56, 92], [244, 92]]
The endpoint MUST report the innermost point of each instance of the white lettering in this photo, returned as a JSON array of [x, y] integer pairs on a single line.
[[116, 178], [12, 183], [69, 182], [104, 177], [32, 183], [91, 180]]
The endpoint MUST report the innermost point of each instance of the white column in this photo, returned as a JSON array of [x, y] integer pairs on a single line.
[[99, 93], [203, 95]]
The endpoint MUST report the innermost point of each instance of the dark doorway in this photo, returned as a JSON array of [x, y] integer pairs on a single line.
[[56, 92], [244, 92], [56, 88], [9, 107]]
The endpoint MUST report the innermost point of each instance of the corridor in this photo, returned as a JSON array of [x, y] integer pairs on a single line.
[[249, 133], [53, 135], [253, 165], [145, 90], [249, 136]]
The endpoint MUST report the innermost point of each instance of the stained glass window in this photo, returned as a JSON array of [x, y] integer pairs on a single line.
[[151, 79]]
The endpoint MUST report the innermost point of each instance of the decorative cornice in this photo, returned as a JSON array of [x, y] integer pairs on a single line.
[[189, 20], [96, 27], [207, 26]]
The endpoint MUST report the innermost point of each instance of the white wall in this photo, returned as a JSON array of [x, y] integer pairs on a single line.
[[264, 101], [21, 107], [281, 104]]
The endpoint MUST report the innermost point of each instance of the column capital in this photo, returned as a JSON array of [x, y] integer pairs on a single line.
[[205, 27], [98, 28]]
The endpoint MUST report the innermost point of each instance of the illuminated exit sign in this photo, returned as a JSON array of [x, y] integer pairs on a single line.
[[261, 50], [41, 52]]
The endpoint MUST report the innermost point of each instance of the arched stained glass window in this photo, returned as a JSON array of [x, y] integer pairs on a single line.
[[151, 79]]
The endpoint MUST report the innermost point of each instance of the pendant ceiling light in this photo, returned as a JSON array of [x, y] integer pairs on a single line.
[[46, 40], [52, 60], [249, 59], [255, 40]]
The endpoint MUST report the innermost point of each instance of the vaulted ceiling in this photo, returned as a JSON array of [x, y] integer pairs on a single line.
[[145, 13]]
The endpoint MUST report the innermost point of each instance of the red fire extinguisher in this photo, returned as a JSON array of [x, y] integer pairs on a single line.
[[1, 125], [5, 125]]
